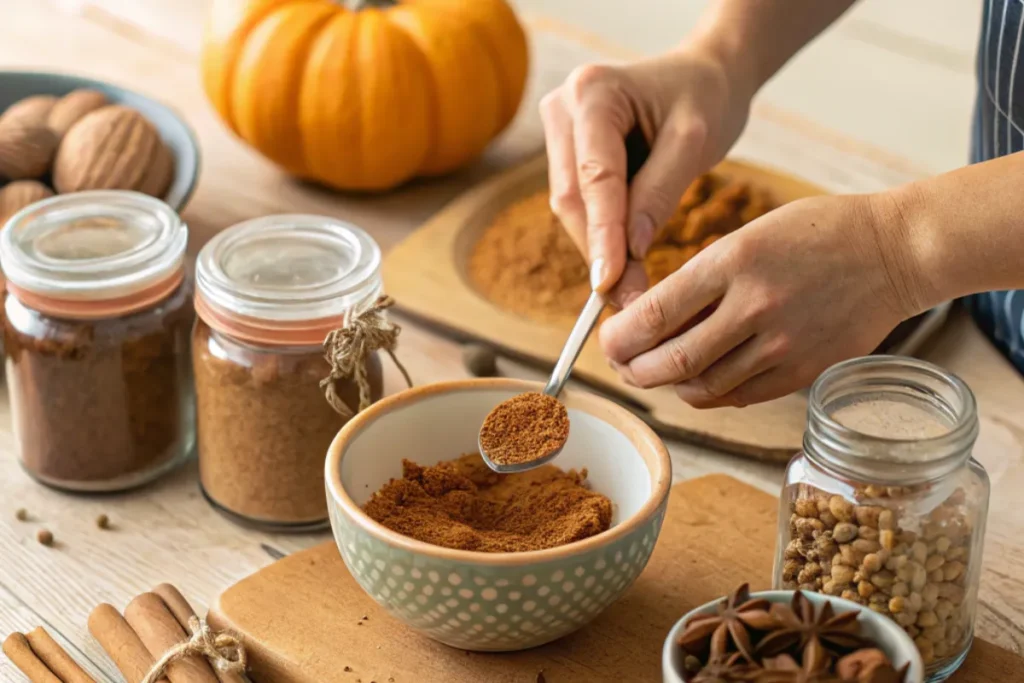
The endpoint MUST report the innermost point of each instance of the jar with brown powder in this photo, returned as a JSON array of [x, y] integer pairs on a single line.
[[97, 318], [269, 291]]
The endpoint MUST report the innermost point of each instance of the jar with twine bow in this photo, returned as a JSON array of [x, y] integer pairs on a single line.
[[291, 312]]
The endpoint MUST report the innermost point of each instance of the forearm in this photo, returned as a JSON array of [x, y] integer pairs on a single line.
[[755, 38], [964, 229]]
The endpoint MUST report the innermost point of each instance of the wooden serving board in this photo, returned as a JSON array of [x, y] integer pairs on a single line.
[[302, 617], [426, 273]]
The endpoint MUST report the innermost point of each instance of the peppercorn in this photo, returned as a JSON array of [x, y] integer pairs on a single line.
[[45, 537], [480, 360]]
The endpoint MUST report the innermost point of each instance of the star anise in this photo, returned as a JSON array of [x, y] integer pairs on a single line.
[[729, 628], [784, 669], [869, 665], [727, 669], [797, 628]]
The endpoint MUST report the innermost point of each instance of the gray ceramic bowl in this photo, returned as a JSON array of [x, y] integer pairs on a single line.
[[17, 85], [495, 601], [892, 639]]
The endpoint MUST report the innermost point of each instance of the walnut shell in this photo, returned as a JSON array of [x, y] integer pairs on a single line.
[[161, 171], [111, 148], [17, 195], [31, 110], [73, 107], [26, 150]]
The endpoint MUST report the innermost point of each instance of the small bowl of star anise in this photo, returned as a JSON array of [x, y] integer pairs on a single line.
[[788, 637]]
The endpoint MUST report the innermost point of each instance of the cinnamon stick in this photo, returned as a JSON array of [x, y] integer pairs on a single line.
[[18, 650], [55, 658], [121, 643], [182, 611], [159, 631]]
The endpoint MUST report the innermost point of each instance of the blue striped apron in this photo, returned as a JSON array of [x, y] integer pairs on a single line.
[[998, 130]]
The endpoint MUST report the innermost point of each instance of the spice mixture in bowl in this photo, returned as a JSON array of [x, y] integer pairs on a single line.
[[525, 262], [536, 571]]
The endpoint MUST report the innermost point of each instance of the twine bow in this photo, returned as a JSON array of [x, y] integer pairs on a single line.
[[348, 348], [223, 650]]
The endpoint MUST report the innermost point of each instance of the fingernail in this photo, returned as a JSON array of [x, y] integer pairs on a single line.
[[641, 235], [598, 273]]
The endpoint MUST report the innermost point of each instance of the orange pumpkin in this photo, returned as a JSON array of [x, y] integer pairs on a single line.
[[365, 98]]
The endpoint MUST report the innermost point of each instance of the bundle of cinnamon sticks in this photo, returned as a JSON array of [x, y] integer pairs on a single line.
[[153, 624], [42, 659]]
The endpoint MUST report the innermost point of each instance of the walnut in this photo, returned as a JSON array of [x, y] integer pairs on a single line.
[[110, 148]]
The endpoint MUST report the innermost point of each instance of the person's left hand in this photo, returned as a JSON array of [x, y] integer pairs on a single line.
[[761, 312]]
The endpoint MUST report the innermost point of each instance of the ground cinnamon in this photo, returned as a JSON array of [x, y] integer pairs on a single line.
[[524, 428], [463, 504], [525, 263]]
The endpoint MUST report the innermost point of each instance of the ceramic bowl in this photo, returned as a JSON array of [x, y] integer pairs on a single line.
[[17, 85], [495, 601], [892, 639]]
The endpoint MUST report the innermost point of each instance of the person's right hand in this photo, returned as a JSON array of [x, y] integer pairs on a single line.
[[691, 112]]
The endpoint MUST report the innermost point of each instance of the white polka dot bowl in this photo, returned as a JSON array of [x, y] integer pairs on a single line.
[[891, 639], [495, 601]]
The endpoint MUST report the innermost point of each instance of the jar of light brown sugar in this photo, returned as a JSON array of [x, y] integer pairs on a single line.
[[268, 293], [885, 505], [97, 320]]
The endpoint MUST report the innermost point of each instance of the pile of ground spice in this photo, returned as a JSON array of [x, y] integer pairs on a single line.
[[463, 504], [524, 262], [524, 428]]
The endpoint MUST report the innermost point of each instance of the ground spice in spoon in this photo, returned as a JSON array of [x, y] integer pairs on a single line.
[[524, 428]]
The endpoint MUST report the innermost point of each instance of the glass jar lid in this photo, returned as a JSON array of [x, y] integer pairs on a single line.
[[94, 247], [287, 279]]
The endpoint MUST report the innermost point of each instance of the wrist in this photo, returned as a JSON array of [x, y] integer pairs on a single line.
[[725, 45], [908, 241]]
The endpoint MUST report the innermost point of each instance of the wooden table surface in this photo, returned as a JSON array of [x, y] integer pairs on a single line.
[[166, 532]]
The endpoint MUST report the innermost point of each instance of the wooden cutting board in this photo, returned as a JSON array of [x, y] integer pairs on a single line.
[[302, 621]]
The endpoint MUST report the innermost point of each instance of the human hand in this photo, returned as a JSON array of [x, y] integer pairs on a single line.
[[764, 310], [690, 109]]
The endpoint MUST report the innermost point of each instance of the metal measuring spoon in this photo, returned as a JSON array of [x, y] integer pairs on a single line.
[[637, 151]]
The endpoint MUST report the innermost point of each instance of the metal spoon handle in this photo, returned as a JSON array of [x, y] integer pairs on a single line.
[[574, 344]]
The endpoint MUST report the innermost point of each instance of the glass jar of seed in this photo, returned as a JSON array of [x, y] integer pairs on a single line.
[[885, 505]]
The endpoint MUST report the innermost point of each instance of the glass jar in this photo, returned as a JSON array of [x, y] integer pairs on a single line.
[[97, 318], [885, 505], [268, 292]]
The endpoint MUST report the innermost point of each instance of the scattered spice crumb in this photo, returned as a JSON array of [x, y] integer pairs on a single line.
[[480, 360], [391, 679], [103, 522], [365, 618], [540, 677], [45, 537], [359, 623], [21, 515], [348, 669]]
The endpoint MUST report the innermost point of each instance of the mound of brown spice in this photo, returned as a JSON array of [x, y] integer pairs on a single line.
[[464, 505], [525, 262]]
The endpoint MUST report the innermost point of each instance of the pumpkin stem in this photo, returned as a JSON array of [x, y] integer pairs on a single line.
[[356, 5]]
